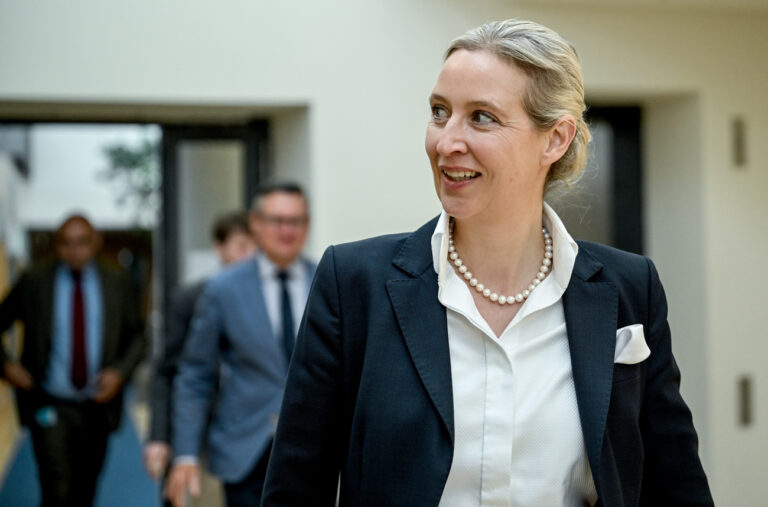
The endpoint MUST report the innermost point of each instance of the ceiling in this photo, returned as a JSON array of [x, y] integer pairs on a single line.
[[734, 5]]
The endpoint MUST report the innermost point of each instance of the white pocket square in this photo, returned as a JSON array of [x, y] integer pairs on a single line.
[[630, 345]]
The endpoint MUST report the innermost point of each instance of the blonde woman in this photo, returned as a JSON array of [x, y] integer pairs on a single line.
[[488, 358]]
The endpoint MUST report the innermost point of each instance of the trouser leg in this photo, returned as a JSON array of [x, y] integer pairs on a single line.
[[91, 441], [52, 446], [69, 449], [247, 492]]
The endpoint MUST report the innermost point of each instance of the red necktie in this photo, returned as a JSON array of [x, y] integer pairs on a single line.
[[79, 370]]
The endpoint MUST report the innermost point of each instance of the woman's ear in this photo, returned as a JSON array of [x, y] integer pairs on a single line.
[[560, 137]]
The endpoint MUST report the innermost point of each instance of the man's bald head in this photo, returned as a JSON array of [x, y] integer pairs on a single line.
[[76, 241]]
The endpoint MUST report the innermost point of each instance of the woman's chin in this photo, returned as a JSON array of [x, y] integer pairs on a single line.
[[459, 209]]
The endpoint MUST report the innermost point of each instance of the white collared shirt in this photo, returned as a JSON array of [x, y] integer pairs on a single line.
[[298, 289], [518, 437]]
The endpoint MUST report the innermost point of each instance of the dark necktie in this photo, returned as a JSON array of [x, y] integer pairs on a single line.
[[79, 368], [287, 315]]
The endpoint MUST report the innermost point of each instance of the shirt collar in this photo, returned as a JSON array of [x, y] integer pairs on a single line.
[[269, 270], [88, 270], [563, 245]]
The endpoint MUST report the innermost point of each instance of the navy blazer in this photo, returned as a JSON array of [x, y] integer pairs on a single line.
[[369, 391]]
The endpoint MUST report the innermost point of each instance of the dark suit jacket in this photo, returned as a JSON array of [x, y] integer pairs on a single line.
[[369, 392], [166, 366], [31, 302]]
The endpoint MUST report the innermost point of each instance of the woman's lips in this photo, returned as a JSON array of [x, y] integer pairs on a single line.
[[459, 175]]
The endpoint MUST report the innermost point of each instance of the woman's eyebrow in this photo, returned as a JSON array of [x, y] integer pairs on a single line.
[[485, 104], [436, 97]]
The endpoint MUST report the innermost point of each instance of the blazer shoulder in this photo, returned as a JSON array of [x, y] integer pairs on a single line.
[[232, 276], [107, 269], [634, 275], [42, 270], [410, 251], [187, 295], [370, 249], [614, 259]]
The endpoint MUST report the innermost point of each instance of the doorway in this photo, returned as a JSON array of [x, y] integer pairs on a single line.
[[607, 204]]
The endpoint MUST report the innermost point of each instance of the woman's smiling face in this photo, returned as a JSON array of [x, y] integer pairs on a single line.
[[484, 150]]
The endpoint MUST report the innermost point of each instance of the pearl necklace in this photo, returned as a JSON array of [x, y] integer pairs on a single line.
[[453, 255]]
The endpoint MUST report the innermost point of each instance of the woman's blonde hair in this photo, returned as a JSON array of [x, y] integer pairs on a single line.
[[556, 84]]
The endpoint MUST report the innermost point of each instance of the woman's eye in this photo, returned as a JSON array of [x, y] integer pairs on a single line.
[[439, 113], [483, 118]]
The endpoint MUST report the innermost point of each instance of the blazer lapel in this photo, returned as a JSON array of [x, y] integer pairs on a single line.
[[591, 313], [252, 295], [422, 320]]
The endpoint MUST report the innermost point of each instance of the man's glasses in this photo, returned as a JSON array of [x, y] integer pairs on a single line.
[[278, 221]]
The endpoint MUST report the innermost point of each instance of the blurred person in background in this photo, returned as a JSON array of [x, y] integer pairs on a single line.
[[233, 367], [488, 358], [83, 338], [233, 242]]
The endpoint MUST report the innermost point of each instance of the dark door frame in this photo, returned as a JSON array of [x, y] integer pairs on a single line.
[[255, 137], [627, 192]]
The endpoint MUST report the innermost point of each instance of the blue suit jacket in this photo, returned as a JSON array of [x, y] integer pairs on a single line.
[[369, 392], [231, 375]]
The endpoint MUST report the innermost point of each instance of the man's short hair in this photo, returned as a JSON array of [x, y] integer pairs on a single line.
[[284, 187]]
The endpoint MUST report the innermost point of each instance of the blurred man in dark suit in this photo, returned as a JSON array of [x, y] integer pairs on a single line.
[[233, 242], [83, 338]]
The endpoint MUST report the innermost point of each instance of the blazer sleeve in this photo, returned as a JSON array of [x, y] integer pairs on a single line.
[[198, 375], [673, 474], [165, 365], [306, 455], [133, 338]]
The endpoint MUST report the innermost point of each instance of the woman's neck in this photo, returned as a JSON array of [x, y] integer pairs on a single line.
[[504, 252]]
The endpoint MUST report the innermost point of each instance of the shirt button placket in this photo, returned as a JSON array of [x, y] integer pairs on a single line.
[[497, 439]]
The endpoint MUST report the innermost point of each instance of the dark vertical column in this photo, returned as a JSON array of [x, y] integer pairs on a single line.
[[258, 163], [169, 220]]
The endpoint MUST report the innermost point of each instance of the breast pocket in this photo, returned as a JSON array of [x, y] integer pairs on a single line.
[[627, 372], [626, 400]]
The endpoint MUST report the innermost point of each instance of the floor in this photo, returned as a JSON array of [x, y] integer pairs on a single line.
[[124, 483]]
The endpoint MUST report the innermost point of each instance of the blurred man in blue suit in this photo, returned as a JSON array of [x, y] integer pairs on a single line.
[[233, 242], [232, 372]]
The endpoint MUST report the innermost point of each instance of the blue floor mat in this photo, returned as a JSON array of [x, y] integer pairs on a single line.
[[123, 482]]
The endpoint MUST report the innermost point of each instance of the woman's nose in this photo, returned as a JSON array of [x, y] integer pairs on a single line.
[[452, 139]]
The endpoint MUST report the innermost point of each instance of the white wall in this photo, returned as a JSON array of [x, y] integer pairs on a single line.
[[675, 241], [364, 69]]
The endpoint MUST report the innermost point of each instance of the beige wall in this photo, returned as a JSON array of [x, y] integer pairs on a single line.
[[356, 75]]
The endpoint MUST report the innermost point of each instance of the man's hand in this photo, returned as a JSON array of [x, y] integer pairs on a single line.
[[183, 477], [17, 375], [156, 455], [108, 384]]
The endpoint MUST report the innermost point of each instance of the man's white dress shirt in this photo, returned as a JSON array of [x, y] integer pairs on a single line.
[[298, 289], [518, 438]]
